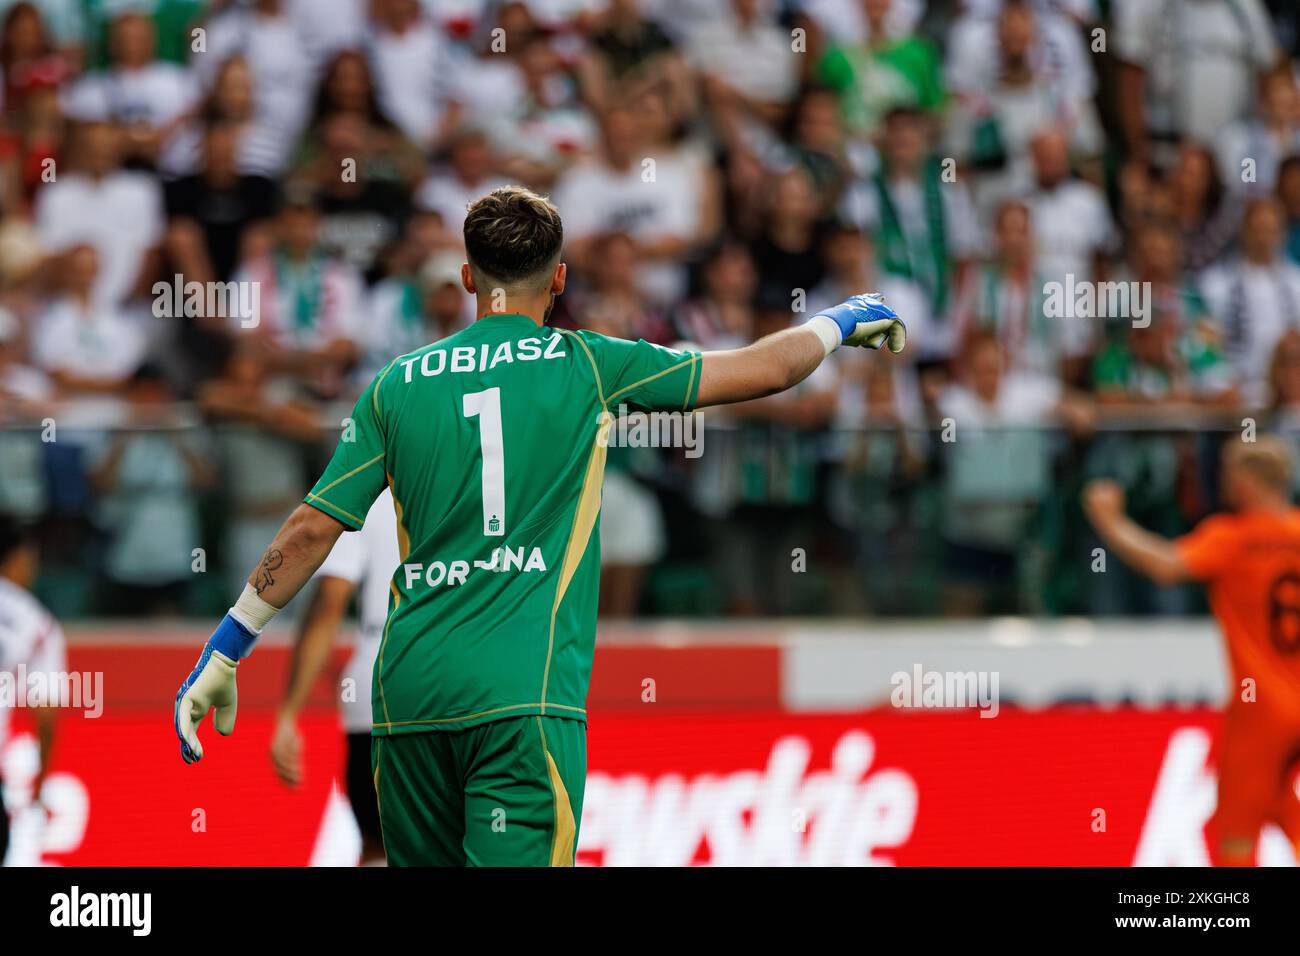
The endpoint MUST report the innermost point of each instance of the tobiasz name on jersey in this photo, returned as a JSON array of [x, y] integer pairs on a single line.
[[467, 358]]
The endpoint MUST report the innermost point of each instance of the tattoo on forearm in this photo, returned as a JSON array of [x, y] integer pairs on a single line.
[[262, 577]]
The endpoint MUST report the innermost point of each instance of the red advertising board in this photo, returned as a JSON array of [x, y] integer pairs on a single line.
[[714, 771], [1064, 787]]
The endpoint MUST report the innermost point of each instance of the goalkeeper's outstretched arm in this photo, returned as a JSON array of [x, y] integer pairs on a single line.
[[299, 548], [783, 359], [772, 364]]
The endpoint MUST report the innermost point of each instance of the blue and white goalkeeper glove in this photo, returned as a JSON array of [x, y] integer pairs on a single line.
[[211, 685], [862, 320]]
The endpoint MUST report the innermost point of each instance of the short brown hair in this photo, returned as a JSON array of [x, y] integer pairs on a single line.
[[513, 237], [1267, 459]]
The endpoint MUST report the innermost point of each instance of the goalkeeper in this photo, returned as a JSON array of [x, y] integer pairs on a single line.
[[492, 442]]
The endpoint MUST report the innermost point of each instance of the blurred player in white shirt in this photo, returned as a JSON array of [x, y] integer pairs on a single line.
[[364, 562], [31, 642]]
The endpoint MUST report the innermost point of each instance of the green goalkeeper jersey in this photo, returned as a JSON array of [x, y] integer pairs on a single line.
[[493, 441]]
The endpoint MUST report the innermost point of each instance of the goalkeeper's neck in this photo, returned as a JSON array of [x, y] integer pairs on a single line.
[[533, 299], [537, 309]]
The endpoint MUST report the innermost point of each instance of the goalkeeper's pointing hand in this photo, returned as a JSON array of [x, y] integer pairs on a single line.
[[864, 320]]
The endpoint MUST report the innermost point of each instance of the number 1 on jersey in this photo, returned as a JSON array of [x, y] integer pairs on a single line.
[[486, 405]]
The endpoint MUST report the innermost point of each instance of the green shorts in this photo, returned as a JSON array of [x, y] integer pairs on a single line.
[[505, 793]]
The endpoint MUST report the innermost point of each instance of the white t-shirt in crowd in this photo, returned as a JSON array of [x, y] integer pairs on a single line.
[[1072, 225], [103, 342], [997, 473], [493, 91], [263, 150], [367, 559], [328, 26], [1020, 113], [154, 95], [284, 76], [491, 88], [1023, 398], [1252, 140], [1255, 306], [595, 198], [412, 77], [1201, 58], [120, 215], [758, 62], [1058, 51]]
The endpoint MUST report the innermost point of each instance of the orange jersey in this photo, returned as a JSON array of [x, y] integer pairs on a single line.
[[1250, 563]]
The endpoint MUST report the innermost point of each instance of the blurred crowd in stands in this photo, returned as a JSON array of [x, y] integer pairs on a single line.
[[1087, 211]]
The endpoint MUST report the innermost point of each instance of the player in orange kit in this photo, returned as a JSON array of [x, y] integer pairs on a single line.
[[1250, 562]]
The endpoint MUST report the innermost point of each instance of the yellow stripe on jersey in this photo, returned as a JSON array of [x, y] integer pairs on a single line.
[[595, 370], [379, 761], [403, 537], [689, 360], [379, 665], [374, 392], [317, 499], [584, 520], [566, 828], [690, 382], [342, 478]]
